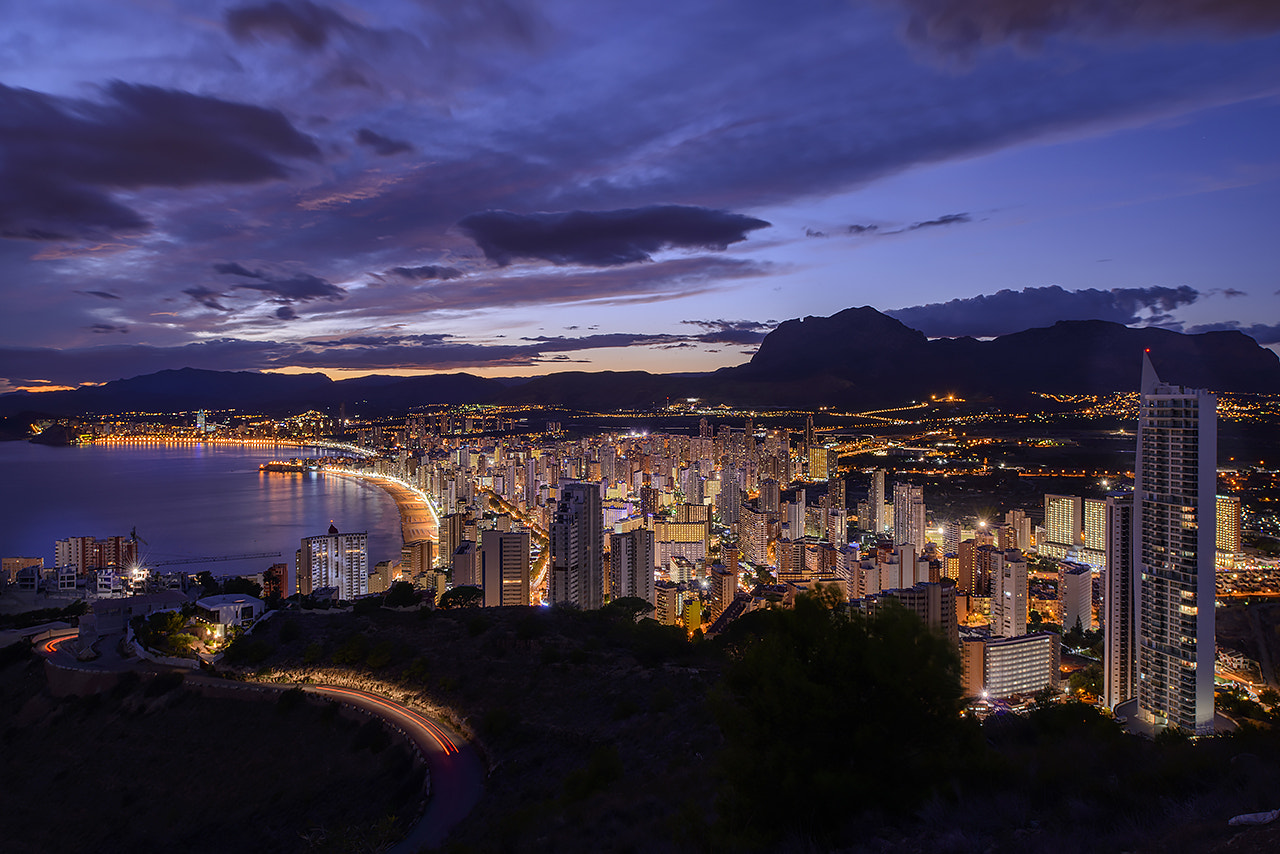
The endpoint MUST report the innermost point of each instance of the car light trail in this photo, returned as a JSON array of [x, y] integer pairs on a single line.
[[442, 739]]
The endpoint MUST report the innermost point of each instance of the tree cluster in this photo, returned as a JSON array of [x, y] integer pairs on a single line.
[[834, 711]]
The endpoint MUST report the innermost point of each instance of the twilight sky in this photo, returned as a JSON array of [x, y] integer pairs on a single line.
[[515, 188]]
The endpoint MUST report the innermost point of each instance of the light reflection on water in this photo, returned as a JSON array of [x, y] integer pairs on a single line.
[[186, 501]]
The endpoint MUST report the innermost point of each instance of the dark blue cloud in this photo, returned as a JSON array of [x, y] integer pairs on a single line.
[[426, 271], [1009, 311], [1263, 333], [61, 159], [961, 26], [381, 145], [604, 238], [300, 287], [301, 23]]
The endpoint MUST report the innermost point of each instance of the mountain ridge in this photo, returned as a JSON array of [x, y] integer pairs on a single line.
[[855, 357]]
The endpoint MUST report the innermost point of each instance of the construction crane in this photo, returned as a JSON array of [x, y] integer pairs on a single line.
[[182, 560]]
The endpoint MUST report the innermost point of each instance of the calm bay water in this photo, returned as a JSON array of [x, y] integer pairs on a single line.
[[186, 501]]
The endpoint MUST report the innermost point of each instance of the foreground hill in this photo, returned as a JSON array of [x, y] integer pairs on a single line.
[[603, 734], [151, 765]]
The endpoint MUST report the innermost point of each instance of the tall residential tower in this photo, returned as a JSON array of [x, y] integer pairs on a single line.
[[1173, 553], [577, 547], [336, 560]]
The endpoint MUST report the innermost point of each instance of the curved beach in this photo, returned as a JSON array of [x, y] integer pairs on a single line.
[[417, 522]]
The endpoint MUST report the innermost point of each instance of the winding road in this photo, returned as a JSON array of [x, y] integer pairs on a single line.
[[457, 771]]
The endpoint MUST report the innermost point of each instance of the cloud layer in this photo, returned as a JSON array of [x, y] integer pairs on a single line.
[[1009, 311], [604, 238], [298, 171], [962, 25], [62, 159]]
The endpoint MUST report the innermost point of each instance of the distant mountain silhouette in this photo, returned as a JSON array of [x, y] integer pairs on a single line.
[[190, 389], [857, 358], [862, 353]]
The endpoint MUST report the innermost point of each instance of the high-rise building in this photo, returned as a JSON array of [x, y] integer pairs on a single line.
[[452, 533], [1009, 593], [1021, 524], [275, 581], [933, 602], [631, 563], [821, 462], [577, 554], [1063, 525], [875, 503], [1094, 535], [668, 602], [1120, 658], [836, 490], [908, 515], [1228, 537], [504, 567], [336, 560], [1075, 593], [753, 536], [88, 553], [724, 586], [1004, 667], [464, 564], [794, 515], [1175, 532], [770, 496], [417, 558]]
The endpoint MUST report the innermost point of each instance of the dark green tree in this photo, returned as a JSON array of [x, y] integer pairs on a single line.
[[401, 594], [629, 607], [209, 585], [242, 585], [836, 711], [462, 597], [1087, 679]]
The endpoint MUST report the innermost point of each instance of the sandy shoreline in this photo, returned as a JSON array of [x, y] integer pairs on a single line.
[[416, 521]]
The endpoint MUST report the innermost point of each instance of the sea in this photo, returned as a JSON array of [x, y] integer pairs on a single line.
[[184, 501]]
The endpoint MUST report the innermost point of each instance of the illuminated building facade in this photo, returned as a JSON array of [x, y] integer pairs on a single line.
[[1228, 536], [1063, 523], [334, 560], [631, 563], [1175, 522], [577, 547], [504, 567], [1009, 593], [1120, 658], [908, 515]]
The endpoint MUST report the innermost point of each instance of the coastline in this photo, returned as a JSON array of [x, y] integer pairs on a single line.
[[417, 520], [227, 440]]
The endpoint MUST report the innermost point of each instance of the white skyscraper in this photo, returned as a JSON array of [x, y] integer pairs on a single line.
[[1173, 553], [504, 567], [1120, 658], [908, 515], [875, 503], [631, 562], [1008, 594], [334, 560], [1063, 525], [577, 557]]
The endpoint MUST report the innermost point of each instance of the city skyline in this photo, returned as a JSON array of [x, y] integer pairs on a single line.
[[510, 189]]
